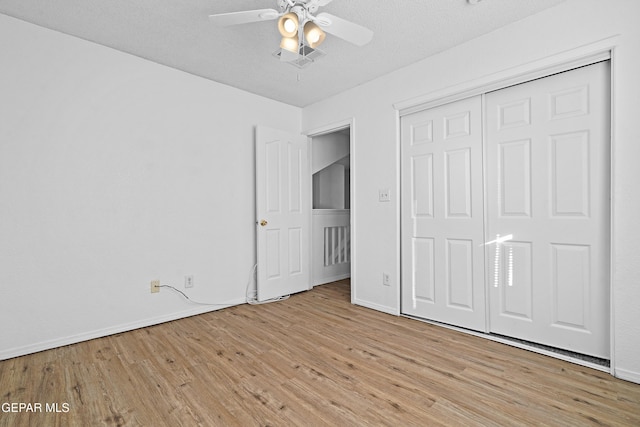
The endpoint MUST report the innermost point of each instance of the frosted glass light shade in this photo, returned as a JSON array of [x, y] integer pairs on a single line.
[[290, 44], [288, 24], [313, 35]]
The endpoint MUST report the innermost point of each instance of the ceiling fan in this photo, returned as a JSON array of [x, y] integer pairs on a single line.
[[301, 29]]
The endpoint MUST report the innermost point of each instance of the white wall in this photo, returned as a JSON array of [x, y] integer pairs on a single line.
[[569, 26], [115, 171], [329, 187]]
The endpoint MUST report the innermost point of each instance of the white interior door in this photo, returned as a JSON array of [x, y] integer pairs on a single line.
[[548, 185], [283, 213], [442, 215]]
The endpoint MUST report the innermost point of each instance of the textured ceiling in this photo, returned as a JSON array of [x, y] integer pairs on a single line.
[[179, 34]]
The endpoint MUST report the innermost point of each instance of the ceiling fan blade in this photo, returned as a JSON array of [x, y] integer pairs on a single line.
[[346, 30], [244, 17]]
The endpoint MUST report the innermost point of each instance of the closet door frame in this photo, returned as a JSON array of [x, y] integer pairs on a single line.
[[602, 50]]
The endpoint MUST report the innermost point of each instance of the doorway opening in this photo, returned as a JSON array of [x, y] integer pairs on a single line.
[[331, 206]]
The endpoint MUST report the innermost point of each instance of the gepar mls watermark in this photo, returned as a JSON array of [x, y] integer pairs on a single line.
[[35, 407]]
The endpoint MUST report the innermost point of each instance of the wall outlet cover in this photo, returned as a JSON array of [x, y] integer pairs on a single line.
[[155, 286], [384, 195], [385, 279], [188, 281]]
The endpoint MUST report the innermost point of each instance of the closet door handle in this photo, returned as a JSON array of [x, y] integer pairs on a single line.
[[263, 222]]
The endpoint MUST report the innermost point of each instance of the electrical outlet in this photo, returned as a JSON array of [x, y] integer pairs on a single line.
[[384, 195], [385, 279], [155, 286], [188, 281]]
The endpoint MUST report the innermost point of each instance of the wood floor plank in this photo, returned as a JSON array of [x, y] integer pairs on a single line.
[[312, 360]]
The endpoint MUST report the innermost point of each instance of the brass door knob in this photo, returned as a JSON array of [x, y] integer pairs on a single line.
[[263, 222]]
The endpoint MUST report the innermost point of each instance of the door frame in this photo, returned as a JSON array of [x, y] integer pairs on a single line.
[[598, 51], [323, 130]]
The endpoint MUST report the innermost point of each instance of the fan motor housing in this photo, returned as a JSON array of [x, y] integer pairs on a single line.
[[309, 5]]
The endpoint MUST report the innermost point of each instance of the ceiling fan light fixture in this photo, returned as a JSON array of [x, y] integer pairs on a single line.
[[288, 24], [290, 44], [313, 34]]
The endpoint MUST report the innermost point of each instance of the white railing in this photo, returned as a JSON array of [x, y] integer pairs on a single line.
[[336, 245], [331, 245]]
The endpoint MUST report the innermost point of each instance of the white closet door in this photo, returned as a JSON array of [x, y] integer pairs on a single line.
[[548, 186], [442, 215]]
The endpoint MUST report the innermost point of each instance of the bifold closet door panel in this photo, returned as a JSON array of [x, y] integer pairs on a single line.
[[442, 215], [548, 185]]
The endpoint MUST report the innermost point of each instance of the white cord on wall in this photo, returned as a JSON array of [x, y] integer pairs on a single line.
[[250, 299], [253, 298]]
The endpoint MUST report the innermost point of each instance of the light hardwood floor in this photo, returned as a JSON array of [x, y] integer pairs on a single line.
[[312, 360]]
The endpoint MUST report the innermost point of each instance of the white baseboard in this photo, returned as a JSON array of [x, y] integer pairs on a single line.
[[86, 336], [373, 306], [626, 375]]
